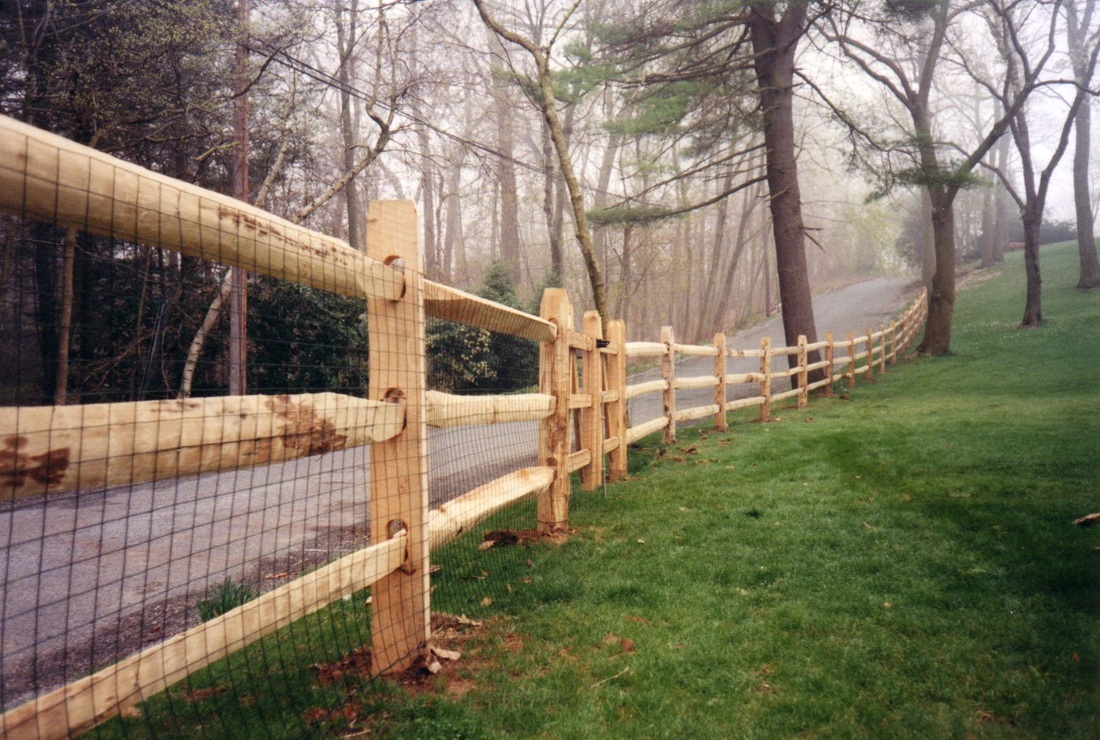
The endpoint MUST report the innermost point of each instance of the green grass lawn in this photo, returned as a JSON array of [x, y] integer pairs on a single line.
[[898, 561]]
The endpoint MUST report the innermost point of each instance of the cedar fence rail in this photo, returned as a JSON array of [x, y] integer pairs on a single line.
[[580, 406]]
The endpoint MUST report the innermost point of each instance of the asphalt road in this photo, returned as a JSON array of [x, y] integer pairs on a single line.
[[76, 567], [855, 308]]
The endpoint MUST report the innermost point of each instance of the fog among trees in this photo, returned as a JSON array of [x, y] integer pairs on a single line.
[[697, 164]]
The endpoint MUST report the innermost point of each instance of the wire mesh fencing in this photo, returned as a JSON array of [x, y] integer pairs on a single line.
[[154, 518], [211, 524]]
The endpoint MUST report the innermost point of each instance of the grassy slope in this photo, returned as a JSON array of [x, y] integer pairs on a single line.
[[900, 562]]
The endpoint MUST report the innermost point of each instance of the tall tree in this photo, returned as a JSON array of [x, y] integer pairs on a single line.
[[775, 38], [238, 293], [1015, 49], [503, 97], [1079, 25], [900, 45], [348, 34]]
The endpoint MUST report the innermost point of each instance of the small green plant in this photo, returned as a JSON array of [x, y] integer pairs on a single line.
[[223, 597]]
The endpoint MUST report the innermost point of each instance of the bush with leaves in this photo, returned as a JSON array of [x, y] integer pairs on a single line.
[[305, 340], [462, 359]]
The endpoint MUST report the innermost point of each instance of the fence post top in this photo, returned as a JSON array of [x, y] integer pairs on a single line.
[[393, 231], [555, 305], [593, 324]]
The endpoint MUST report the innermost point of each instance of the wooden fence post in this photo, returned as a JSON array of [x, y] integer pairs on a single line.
[[668, 372], [766, 378], [616, 409], [400, 617], [829, 350], [720, 389], [851, 360], [893, 341], [803, 374], [592, 429], [870, 359], [555, 379], [882, 349]]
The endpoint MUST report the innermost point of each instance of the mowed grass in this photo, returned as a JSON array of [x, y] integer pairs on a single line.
[[896, 562]]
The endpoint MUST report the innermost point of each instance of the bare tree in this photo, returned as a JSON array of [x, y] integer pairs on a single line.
[[902, 53], [547, 104], [1078, 25], [1016, 51]]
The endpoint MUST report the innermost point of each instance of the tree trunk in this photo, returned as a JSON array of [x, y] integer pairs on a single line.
[[705, 322], [428, 186], [504, 111], [725, 294], [602, 234], [1078, 23], [65, 319], [1000, 228], [987, 236], [453, 219], [1033, 305], [346, 36], [553, 224], [238, 296], [765, 265], [195, 350], [774, 43], [1086, 240], [626, 274], [941, 298], [927, 241]]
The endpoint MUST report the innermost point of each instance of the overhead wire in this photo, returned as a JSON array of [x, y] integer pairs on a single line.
[[285, 58]]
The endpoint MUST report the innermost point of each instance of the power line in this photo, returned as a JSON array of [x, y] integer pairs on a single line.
[[303, 67], [282, 56]]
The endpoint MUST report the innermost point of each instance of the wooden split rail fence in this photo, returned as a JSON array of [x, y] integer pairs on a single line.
[[867, 353], [580, 406]]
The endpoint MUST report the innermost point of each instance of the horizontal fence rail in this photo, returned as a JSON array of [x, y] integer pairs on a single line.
[[580, 408]]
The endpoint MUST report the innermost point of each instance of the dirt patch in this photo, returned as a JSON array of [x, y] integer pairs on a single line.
[[507, 537], [443, 671], [354, 665]]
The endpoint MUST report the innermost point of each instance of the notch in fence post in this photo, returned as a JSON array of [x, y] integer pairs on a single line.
[[851, 360], [803, 373], [616, 409], [766, 378], [668, 372], [829, 351], [555, 379], [400, 606], [720, 389], [592, 418]]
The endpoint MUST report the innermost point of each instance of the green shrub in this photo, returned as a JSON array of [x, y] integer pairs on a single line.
[[224, 597]]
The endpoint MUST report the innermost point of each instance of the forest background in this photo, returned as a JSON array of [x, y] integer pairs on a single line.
[[313, 109]]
